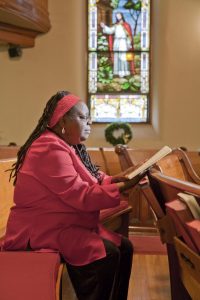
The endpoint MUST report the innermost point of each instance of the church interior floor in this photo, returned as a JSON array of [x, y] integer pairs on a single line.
[[149, 278]]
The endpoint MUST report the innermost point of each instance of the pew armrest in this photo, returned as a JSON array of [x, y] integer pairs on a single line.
[[117, 218]]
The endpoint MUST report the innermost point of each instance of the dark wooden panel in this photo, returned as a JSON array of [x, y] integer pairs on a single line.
[[22, 21]]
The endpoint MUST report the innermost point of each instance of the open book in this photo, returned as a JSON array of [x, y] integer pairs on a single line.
[[150, 162]]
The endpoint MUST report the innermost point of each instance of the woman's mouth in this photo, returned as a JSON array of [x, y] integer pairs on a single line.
[[87, 131]]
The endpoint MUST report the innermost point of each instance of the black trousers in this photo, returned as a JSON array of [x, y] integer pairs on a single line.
[[106, 278]]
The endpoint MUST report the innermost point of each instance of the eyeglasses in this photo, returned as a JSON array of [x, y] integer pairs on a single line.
[[85, 119]]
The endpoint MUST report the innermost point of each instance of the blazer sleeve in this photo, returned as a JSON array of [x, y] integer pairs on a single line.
[[105, 179], [55, 170]]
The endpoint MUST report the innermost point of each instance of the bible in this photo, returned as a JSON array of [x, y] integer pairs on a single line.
[[150, 162]]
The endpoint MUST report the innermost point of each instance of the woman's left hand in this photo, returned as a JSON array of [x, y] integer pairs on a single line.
[[118, 178], [121, 177]]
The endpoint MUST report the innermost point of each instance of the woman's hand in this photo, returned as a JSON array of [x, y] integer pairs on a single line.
[[127, 171], [129, 183], [123, 182], [122, 176], [119, 178]]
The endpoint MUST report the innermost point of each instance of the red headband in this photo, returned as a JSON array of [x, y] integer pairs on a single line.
[[63, 106]]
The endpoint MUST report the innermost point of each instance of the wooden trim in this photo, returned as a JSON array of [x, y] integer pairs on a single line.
[[143, 230], [125, 160], [104, 160], [16, 38], [166, 229], [178, 184], [184, 159], [119, 221], [152, 200], [13, 13], [21, 23], [119, 213], [58, 281]]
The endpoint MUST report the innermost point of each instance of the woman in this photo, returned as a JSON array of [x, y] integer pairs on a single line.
[[58, 196]]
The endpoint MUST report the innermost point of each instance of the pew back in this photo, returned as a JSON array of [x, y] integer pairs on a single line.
[[8, 151], [97, 158], [178, 165], [106, 159], [176, 175], [168, 187]]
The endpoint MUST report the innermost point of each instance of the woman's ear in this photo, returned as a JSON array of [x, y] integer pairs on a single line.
[[61, 122]]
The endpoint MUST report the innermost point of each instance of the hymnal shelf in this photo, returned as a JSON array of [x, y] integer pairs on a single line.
[[150, 162]]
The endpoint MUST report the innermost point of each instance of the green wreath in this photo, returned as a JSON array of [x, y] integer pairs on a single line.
[[124, 138]]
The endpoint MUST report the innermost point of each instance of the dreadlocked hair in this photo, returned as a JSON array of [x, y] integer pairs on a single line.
[[40, 128]]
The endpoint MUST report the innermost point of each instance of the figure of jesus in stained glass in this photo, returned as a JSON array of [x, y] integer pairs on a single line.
[[120, 44]]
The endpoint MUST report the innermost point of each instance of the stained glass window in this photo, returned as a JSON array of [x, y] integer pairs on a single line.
[[118, 60]]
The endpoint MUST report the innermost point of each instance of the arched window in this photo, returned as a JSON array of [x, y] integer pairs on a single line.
[[118, 60]]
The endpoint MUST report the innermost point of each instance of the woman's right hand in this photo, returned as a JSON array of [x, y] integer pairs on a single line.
[[128, 184]]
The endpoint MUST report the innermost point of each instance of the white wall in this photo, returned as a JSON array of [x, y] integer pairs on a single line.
[[58, 61]]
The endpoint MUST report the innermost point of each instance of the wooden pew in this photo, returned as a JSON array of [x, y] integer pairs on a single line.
[[166, 188], [106, 159], [176, 175], [8, 151], [183, 212], [142, 218], [178, 165], [111, 160], [189, 263], [194, 157]]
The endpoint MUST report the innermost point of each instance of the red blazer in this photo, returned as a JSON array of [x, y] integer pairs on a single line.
[[57, 204]]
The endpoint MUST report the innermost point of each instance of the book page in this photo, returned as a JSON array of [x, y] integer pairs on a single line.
[[150, 162], [191, 202]]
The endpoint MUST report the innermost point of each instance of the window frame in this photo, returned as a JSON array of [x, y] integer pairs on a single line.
[[149, 94]]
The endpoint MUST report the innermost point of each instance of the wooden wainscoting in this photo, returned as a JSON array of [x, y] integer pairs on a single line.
[[8, 151]]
